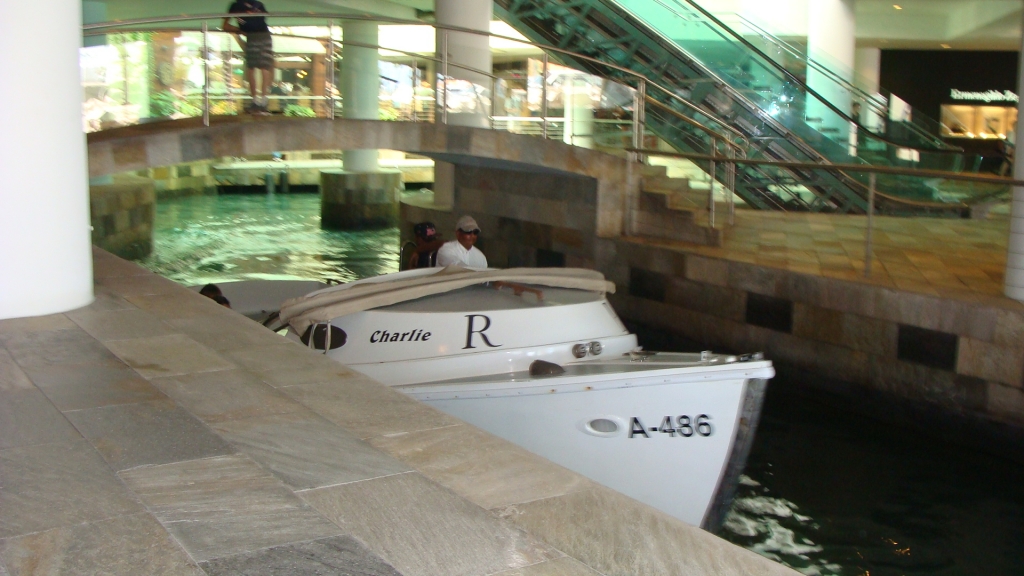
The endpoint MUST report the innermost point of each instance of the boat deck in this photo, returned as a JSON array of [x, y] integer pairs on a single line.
[[157, 432]]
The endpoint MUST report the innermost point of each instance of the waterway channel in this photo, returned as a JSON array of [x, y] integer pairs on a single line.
[[827, 490]]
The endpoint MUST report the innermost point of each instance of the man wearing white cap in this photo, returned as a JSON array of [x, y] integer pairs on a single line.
[[461, 251]]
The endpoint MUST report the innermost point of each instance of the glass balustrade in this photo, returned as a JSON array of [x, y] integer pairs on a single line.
[[774, 78]]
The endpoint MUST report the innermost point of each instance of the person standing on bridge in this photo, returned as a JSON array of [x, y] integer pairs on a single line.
[[259, 50]]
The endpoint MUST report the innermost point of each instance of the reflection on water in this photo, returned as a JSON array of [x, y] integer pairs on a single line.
[[204, 239], [828, 490]]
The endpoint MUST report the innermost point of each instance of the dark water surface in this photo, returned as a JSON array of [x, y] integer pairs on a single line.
[[828, 489]]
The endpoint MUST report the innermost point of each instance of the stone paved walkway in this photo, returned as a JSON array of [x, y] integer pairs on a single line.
[[155, 432], [954, 258]]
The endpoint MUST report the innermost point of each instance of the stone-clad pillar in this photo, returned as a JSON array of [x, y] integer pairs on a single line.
[[45, 253], [470, 50], [360, 87], [1014, 287]]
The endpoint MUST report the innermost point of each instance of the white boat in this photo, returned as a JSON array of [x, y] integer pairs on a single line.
[[539, 358]]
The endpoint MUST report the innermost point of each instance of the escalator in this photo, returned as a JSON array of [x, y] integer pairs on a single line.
[[700, 59]]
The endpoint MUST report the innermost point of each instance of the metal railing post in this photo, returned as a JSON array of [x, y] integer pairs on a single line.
[[206, 74], [444, 78], [415, 87], [871, 223], [639, 113], [711, 186], [494, 99], [730, 183], [544, 99], [329, 77]]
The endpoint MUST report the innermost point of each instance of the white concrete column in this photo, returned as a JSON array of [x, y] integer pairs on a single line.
[[470, 50], [45, 241], [360, 87], [1014, 287], [868, 68], [830, 41], [579, 113]]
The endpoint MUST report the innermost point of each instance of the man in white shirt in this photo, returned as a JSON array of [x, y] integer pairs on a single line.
[[461, 251]]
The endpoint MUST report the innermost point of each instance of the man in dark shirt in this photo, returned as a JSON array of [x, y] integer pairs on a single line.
[[259, 50]]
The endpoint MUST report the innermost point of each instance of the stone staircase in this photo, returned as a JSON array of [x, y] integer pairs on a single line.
[[669, 208]]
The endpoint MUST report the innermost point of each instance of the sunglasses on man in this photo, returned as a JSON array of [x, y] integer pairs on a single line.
[[472, 232]]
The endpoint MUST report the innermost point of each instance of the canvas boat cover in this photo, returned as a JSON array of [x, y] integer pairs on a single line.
[[328, 304]]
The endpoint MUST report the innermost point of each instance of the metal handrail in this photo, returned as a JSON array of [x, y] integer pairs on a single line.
[[104, 27], [867, 168]]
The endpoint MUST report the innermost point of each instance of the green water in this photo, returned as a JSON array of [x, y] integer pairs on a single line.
[[203, 239]]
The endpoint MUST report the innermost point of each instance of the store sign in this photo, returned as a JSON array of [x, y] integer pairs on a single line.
[[987, 96]]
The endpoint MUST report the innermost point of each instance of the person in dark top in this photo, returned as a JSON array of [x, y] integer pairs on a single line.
[[259, 50], [427, 242]]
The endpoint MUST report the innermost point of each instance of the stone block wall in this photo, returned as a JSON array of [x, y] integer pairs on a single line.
[[355, 200], [176, 181], [964, 357], [526, 218], [122, 216]]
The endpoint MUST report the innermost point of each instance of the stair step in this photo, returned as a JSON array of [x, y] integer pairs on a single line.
[[646, 170], [664, 184], [653, 219]]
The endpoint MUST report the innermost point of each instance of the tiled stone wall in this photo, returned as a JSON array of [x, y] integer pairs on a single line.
[[961, 356], [526, 219], [122, 216], [353, 200], [189, 179]]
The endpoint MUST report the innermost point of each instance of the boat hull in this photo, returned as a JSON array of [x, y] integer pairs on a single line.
[[675, 429]]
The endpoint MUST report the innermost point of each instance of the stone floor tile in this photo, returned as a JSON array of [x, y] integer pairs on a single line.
[[479, 466], [119, 324], [222, 506], [52, 485], [27, 417], [283, 377], [211, 332], [226, 395], [282, 444], [66, 346], [12, 377], [126, 545], [106, 300], [421, 528], [341, 555], [168, 356], [181, 304], [139, 285], [78, 386], [106, 265], [284, 353], [35, 324], [619, 535], [147, 433], [564, 566], [367, 408]]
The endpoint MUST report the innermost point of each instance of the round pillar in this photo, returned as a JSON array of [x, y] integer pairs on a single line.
[[360, 87], [46, 263], [868, 66], [469, 50], [831, 26], [579, 113]]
